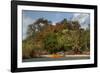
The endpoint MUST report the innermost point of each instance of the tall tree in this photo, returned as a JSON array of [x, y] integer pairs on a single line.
[[38, 25]]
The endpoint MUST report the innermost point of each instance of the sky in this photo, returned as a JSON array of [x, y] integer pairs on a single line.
[[29, 17]]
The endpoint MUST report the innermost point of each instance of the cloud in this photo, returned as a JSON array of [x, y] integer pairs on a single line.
[[53, 23], [26, 21], [83, 18]]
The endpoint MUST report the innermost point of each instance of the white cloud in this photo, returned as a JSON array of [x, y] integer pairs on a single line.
[[26, 21], [83, 18], [53, 23], [41, 24]]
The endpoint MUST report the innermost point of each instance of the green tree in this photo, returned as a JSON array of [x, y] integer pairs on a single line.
[[51, 44], [64, 36], [27, 46], [85, 40], [64, 21]]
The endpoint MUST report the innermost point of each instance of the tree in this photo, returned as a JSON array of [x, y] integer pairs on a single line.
[[75, 25], [51, 44], [85, 40], [64, 40], [27, 47], [62, 37], [64, 21], [38, 25], [75, 41]]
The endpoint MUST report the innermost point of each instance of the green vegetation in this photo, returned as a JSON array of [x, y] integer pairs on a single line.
[[45, 38]]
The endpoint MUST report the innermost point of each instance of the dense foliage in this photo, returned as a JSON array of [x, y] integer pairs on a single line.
[[45, 38]]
